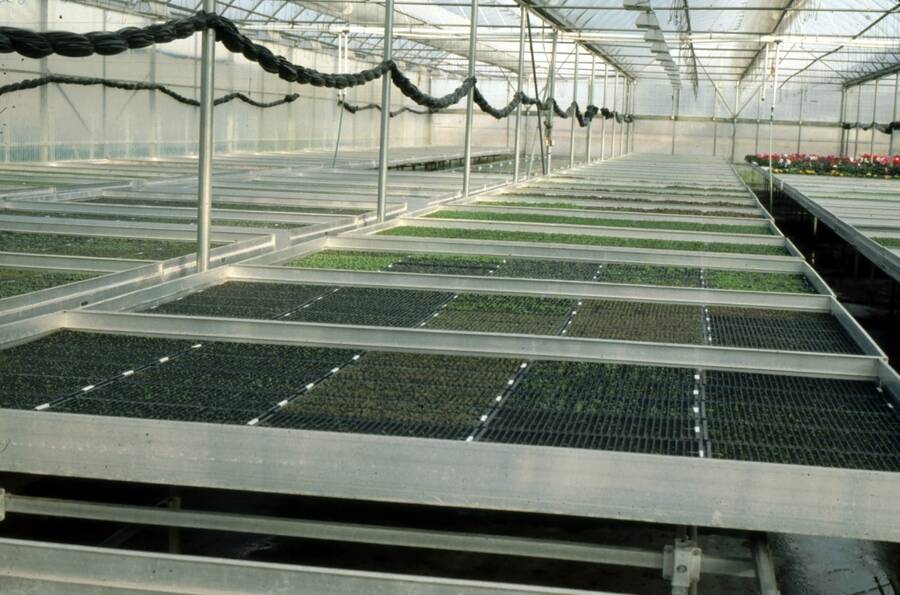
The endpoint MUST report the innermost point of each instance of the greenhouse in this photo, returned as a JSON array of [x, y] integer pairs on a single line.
[[447, 296]]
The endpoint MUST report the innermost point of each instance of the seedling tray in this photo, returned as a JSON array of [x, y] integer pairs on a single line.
[[69, 245], [19, 281], [452, 264], [560, 238], [66, 362], [780, 329], [228, 205], [599, 221], [781, 419], [599, 406], [403, 395]]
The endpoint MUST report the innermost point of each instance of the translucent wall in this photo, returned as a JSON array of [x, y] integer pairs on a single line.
[[807, 119], [70, 122]]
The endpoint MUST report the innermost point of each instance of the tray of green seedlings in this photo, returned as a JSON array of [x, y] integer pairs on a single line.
[[636, 209], [248, 206], [661, 197], [66, 362], [503, 314], [106, 247], [888, 242], [561, 238], [598, 406], [230, 383], [599, 221], [426, 396], [373, 307], [19, 281], [779, 329], [352, 260], [447, 264], [548, 269], [795, 420], [149, 219], [640, 274], [637, 321], [242, 299], [754, 281]]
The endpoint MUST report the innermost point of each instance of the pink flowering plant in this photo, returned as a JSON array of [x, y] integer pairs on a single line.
[[865, 166]]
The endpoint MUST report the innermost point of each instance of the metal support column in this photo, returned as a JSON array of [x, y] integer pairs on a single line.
[[587, 148], [613, 123], [800, 119], [470, 101], [874, 118], [676, 104], [574, 103], [715, 119], [626, 89], [551, 88], [856, 125], [603, 120], [772, 125], [623, 129], [894, 111], [629, 138], [204, 182], [44, 122], [759, 103], [154, 116], [517, 142], [384, 141], [737, 103], [843, 119]]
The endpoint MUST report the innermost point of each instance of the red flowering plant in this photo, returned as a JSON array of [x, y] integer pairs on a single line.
[[868, 166]]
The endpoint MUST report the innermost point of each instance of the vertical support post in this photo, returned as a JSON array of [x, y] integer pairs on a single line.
[[603, 120], [632, 112], [517, 142], [737, 103], [856, 126], [154, 117], [715, 119], [470, 100], [44, 149], [874, 118], [587, 148], [842, 120], [759, 103], [624, 128], [624, 108], [103, 117], [894, 111], [800, 118], [551, 91], [574, 103], [613, 123], [772, 127], [676, 106], [204, 182], [629, 139], [384, 140]]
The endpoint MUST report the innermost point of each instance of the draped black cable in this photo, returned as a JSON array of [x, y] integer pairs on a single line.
[[888, 128], [359, 108], [132, 86], [33, 44]]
